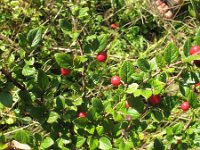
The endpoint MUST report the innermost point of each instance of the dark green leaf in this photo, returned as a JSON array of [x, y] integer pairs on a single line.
[[97, 105], [80, 122], [63, 60], [42, 79], [60, 102], [6, 99], [65, 25], [103, 41], [34, 37], [158, 144], [186, 47], [126, 71], [143, 65], [157, 115]]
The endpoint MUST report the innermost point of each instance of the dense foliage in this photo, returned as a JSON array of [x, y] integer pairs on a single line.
[[99, 74]]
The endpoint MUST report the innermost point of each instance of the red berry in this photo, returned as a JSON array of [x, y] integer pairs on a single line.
[[197, 84], [195, 50], [127, 104], [101, 56], [115, 80], [82, 114], [114, 26], [185, 106], [155, 100], [65, 72]]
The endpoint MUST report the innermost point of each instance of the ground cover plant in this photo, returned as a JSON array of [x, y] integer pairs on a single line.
[[98, 74]]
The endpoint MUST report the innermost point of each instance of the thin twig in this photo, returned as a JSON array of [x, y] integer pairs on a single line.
[[10, 78], [18, 129], [59, 11], [81, 53], [11, 42]]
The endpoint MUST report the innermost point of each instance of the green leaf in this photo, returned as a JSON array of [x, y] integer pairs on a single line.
[[186, 47], [100, 130], [133, 113], [80, 141], [178, 128], [171, 53], [97, 105], [160, 60], [42, 79], [169, 130], [6, 99], [93, 143], [197, 37], [157, 115], [22, 136], [191, 58], [102, 42], [104, 143], [28, 71], [157, 86], [143, 64], [60, 102], [62, 142], [46, 143], [193, 100], [63, 60], [53, 116], [34, 37], [158, 144], [126, 71], [146, 93], [80, 122], [132, 88], [65, 25], [90, 129]]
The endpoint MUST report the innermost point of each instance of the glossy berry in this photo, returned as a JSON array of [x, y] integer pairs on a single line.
[[155, 100], [114, 26], [185, 106], [127, 104], [195, 50], [197, 84], [115, 80], [82, 114], [101, 56], [65, 72]]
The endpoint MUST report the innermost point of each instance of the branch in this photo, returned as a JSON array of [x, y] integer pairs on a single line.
[[81, 53], [4, 38], [10, 78]]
